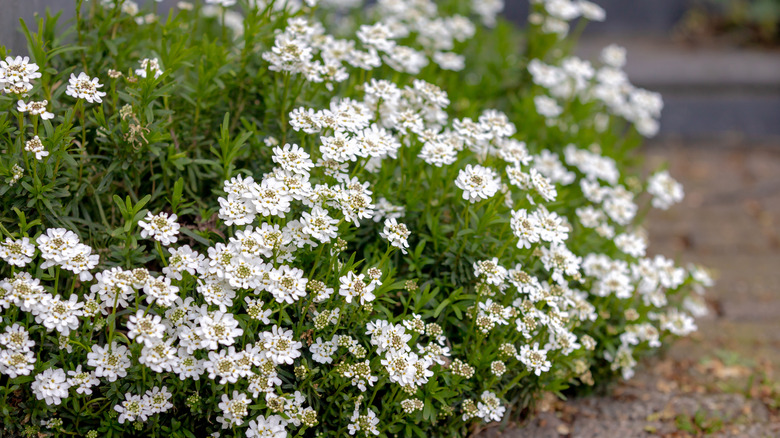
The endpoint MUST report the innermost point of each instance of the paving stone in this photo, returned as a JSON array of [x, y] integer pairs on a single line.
[[771, 430], [751, 310], [543, 425], [598, 428]]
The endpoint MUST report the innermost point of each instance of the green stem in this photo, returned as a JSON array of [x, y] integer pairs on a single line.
[[56, 279], [162, 254]]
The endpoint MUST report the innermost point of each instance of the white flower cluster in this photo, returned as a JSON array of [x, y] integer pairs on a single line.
[[665, 190], [139, 408], [84, 87], [609, 84], [304, 47], [16, 355], [17, 74], [554, 15], [160, 227], [149, 64], [285, 288]]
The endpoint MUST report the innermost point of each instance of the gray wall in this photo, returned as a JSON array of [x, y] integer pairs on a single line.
[[13, 10], [623, 16]]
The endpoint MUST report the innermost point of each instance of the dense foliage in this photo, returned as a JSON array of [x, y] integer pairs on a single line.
[[319, 218]]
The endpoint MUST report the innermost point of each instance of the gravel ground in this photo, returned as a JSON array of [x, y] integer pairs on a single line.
[[724, 381]]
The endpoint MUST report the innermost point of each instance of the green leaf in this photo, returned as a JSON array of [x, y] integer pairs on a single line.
[[175, 200]]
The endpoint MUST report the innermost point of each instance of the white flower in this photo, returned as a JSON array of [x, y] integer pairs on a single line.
[[378, 36], [449, 61], [160, 227], [622, 360], [110, 362], [494, 273], [363, 423], [269, 198], [293, 159], [14, 363], [35, 109], [51, 385], [289, 53], [477, 182], [550, 226], [56, 314], [614, 56], [591, 10], [665, 190], [255, 310], [288, 284], [678, 323], [353, 286], [244, 273], [17, 74], [147, 329], [22, 290], [488, 10], [160, 291], [271, 427], [234, 210], [339, 147], [81, 262], [187, 366], [223, 365], [152, 64], [633, 244], [17, 252], [354, 198], [16, 174], [388, 336], [218, 328], [223, 3], [159, 358], [16, 338], [83, 380], [132, 408], [525, 227], [386, 210], [319, 224], [57, 245], [614, 282], [82, 87], [181, 260], [322, 352], [547, 107], [280, 345], [396, 234], [234, 410], [543, 185], [305, 119], [404, 367], [113, 286], [534, 359], [560, 261], [438, 153], [360, 373], [158, 399], [490, 408]]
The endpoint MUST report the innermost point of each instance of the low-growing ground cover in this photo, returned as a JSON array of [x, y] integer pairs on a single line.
[[319, 218]]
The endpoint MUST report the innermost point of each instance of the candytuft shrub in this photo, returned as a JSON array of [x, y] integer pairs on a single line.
[[321, 218]]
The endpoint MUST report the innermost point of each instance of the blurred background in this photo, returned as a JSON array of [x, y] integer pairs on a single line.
[[716, 62], [717, 65]]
